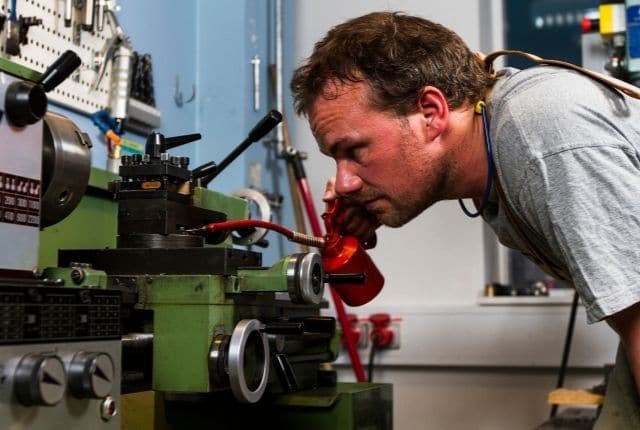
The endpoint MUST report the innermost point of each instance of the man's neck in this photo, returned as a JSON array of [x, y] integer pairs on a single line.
[[470, 155]]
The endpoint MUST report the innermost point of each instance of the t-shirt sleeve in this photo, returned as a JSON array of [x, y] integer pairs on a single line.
[[586, 202]]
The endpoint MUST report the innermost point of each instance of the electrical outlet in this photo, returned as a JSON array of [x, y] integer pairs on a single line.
[[365, 328], [360, 328], [385, 330], [395, 328]]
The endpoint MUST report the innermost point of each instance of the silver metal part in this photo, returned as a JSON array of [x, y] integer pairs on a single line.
[[144, 114], [248, 361], [253, 196], [87, 13], [306, 239], [218, 370], [100, 15], [66, 166], [68, 12], [40, 380], [121, 71], [108, 408], [20, 186], [279, 74], [255, 61], [70, 412], [90, 375], [137, 340], [305, 278]]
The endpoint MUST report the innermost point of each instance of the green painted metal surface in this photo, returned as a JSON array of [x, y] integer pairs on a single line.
[[182, 338], [188, 310], [234, 207], [90, 278], [92, 225], [100, 178], [254, 280], [183, 326], [348, 406], [186, 290], [18, 70]]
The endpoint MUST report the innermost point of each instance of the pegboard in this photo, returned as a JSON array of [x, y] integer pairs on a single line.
[[47, 41]]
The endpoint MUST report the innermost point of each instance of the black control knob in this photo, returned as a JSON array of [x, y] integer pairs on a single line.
[[60, 70], [155, 145], [25, 103], [40, 380], [91, 375]]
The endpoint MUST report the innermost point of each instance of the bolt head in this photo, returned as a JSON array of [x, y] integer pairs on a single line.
[[108, 408]]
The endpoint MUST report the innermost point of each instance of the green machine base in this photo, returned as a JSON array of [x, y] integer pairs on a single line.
[[348, 406]]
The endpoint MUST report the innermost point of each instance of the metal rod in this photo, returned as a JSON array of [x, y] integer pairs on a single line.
[[264, 126], [567, 349], [344, 278], [137, 341], [68, 7], [256, 82], [279, 75]]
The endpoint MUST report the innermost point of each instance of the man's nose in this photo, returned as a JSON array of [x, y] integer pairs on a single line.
[[347, 181]]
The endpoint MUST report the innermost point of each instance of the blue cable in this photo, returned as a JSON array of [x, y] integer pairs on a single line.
[[12, 12], [487, 191]]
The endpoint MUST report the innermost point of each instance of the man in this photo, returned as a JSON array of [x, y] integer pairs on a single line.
[[551, 159]]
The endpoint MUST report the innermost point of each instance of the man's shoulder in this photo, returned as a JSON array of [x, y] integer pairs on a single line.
[[549, 108], [546, 110], [542, 84]]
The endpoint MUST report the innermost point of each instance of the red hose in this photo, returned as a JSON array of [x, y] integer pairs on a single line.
[[247, 223], [293, 236]]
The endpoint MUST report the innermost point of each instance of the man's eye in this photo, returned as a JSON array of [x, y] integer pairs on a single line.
[[355, 152]]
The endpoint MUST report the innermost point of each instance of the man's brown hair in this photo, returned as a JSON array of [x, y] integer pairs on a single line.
[[396, 54]]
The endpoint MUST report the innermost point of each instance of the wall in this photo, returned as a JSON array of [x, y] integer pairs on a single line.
[[461, 364]]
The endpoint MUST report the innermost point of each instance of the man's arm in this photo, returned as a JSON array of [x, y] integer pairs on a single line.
[[627, 324]]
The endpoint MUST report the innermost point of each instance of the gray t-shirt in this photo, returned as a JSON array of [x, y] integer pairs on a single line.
[[566, 152]]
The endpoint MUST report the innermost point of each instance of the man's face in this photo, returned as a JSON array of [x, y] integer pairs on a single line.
[[384, 162]]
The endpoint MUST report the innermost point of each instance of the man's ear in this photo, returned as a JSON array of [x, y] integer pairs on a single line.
[[433, 107]]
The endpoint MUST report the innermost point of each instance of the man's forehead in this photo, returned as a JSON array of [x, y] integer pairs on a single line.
[[336, 90], [335, 87]]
